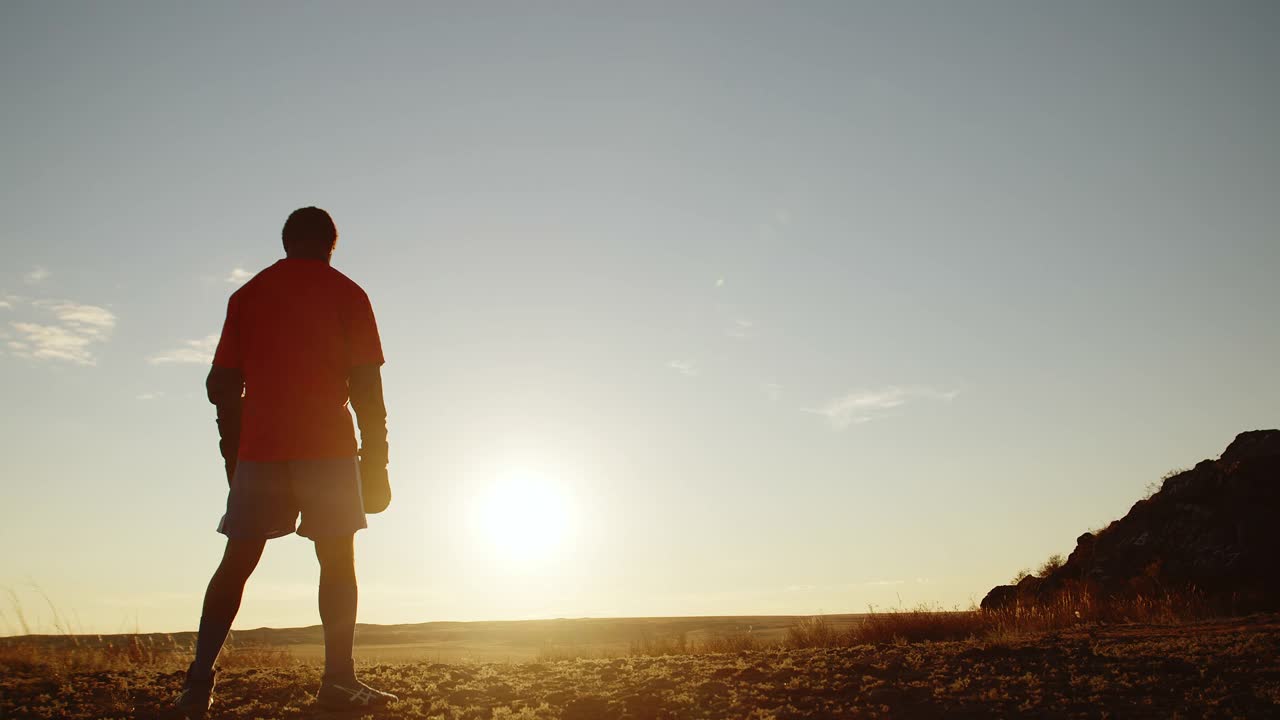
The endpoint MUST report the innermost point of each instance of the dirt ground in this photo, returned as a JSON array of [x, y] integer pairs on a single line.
[[1225, 668]]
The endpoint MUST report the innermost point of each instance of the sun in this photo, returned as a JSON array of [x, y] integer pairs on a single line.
[[525, 518]]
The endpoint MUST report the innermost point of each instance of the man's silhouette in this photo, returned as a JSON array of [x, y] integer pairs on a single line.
[[298, 341]]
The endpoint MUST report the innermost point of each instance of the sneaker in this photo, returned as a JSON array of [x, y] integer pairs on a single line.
[[196, 697], [350, 694]]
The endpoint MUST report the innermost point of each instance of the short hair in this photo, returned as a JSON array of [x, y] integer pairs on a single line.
[[309, 232]]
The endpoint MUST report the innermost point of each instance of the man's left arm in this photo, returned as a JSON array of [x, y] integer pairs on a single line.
[[365, 389]]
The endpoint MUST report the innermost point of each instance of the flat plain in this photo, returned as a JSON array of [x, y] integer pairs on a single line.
[[1214, 668]]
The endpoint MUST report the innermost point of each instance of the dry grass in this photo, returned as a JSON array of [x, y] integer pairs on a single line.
[[1070, 609], [551, 652], [1075, 606], [88, 654], [732, 643], [814, 632], [924, 662], [923, 624], [69, 652], [651, 646], [1210, 669]]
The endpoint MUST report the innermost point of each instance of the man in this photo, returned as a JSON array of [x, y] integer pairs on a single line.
[[298, 341]]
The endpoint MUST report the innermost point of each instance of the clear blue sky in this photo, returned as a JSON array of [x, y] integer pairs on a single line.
[[784, 308]]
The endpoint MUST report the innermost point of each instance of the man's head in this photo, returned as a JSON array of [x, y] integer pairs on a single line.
[[309, 233]]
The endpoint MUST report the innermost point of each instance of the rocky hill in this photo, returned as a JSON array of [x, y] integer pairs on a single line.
[[1213, 529]]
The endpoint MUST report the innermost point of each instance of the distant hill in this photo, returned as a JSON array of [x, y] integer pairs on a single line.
[[1212, 531]]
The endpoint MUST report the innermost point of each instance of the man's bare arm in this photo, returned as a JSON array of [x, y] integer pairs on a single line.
[[225, 387], [364, 385]]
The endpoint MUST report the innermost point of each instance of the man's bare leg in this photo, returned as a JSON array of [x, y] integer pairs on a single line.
[[340, 690], [338, 598], [222, 601]]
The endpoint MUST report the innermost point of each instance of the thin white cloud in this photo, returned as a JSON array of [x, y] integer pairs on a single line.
[[772, 390], [684, 367], [865, 405], [190, 352], [882, 583], [720, 282], [37, 275], [71, 338], [150, 395], [88, 320], [52, 342], [238, 276]]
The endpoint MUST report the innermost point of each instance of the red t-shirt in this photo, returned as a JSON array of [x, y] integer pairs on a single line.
[[295, 331]]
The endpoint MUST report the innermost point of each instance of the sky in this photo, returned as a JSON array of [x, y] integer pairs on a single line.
[[688, 309]]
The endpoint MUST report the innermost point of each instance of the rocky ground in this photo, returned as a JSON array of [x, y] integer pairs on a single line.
[[1222, 668]]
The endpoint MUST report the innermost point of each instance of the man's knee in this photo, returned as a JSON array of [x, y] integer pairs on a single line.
[[336, 554], [240, 558]]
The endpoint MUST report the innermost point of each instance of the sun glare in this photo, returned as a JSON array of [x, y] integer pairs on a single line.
[[525, 518]]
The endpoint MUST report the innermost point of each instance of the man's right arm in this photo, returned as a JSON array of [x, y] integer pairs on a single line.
[[225, 387], [364, 388]]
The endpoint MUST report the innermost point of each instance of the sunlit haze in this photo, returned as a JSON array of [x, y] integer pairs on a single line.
[[526, 519], [688, 309]]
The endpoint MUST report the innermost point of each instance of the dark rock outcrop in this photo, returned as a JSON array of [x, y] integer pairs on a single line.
[[1214, 529]]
